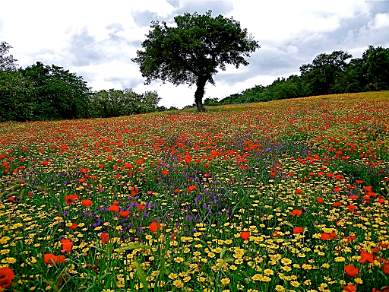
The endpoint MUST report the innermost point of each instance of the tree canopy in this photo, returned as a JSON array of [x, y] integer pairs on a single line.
[[193, 50], [328, 73], [7, 62]]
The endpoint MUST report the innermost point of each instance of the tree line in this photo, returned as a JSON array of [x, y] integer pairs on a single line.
[[46, 92], [328, 73]]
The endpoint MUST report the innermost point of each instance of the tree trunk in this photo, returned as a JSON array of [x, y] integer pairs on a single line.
[[200, 93]]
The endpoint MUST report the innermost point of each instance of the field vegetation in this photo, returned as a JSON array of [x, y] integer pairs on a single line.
[[285, 195]]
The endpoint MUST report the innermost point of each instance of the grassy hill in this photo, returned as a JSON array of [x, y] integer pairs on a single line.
[[288, 194]]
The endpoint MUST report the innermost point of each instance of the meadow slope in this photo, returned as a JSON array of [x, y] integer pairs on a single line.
[[285, 195]]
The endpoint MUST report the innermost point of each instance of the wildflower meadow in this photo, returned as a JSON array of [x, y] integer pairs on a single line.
[[289, 195]]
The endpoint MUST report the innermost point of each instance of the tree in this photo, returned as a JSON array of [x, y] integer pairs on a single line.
[[194, 50], [7, 62], [57, 92], [16, 102], [116, 102], [376, 66], [321, 74]]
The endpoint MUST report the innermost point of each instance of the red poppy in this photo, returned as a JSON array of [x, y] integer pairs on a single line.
[[359, 181], [104, 237], [188, 158], [366, 257], [114, 208], [245, 235], [124, 213], [337, 189], [368, 189], [296, 212], [298, 230], [351, 270], [351, 237], [165, 172], [73, 226], [327, 235], [51, 259], [320, 200], [350, 288], [298, 191], [11, 199], [86, 203], [6, 277], [134, 191], [385, 268], [141, 207], [154, 226], [67, 245], [337, 204], [191, 188], [351, 207], [71, 199]]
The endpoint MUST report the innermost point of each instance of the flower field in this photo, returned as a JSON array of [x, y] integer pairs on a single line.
[[279, 196]]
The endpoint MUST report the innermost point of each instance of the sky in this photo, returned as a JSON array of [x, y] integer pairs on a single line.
[[97, 39]]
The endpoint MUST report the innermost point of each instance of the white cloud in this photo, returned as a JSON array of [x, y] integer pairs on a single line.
[[381, 20], [98, 38]]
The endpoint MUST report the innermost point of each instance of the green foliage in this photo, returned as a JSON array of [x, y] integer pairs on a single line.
[[321, 74], [194, 50], [58, 94], [7, 62], [376, 66], [114, 102], [16, 102], [211, 101], [42, 92], [328, 73]]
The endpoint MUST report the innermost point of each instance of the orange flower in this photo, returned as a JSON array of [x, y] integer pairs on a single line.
[[327, 236], [366, 257], [298, 191], [124, 214], [154, 226], [114, 208], [351, 207], [6, 277], [336, 189], [298, 230], [191, 188], [351, 270], [104, 237], [296, 212], [51, 259], [141, 207], [73, 226], [67, 245], [337, 204], [245, 235], [320, 200], [165, 172], [351, 237], [385, 268], [70, 199], [188, 158], [86, 203], [134, 191], [350, 288]]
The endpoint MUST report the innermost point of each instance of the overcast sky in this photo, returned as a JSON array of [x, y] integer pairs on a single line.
[[97, 39]]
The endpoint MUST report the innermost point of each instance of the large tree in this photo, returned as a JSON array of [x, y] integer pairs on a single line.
[[193, 50], [325, 68], [7, 62]]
